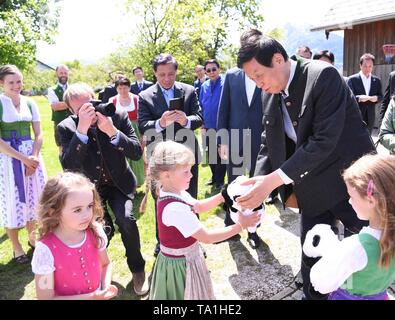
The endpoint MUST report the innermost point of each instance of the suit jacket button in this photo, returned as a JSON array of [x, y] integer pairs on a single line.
[[120, 149], [267, 121], [294, 123], [288, 103], [97, 167], [98, 152]]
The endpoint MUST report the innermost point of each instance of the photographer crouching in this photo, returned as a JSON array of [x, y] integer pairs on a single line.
[[96, 138]]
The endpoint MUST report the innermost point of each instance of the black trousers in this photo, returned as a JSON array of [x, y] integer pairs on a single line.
[[352, 225], [368, 113], [122, 207], [218, 170]]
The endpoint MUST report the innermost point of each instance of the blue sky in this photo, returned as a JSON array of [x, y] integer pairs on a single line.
[[91, 29]]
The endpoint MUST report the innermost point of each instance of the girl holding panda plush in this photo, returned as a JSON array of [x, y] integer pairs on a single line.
[[360, 267]]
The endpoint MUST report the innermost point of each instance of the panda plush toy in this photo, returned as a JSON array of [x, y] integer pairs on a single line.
[[234, 190], [320, 241]]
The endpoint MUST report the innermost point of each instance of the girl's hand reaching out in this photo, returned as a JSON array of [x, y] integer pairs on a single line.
[[246, 221]]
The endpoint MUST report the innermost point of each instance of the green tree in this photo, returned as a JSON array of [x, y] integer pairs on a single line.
[[22, 24], [192, 31]]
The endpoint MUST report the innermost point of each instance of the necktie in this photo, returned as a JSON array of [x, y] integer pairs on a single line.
[[288, 127], [140, 86]]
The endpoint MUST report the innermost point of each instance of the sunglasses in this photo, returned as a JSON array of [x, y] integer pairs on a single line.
[[211, 70]]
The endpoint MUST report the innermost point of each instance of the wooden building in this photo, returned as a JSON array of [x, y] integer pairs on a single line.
[[367, 25]]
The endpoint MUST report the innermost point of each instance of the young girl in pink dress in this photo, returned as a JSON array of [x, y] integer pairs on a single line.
[[180, 270], [70, 260]]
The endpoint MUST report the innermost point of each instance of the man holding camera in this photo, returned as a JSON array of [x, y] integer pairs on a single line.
[[96, 145]]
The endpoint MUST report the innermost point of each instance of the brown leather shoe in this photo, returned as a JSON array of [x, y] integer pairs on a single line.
[[140, 283]]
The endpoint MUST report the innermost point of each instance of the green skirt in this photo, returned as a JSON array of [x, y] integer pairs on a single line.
[[137, 166], [168, 278]]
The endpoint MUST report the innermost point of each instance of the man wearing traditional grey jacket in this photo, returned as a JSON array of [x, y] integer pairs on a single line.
[[312, 131]]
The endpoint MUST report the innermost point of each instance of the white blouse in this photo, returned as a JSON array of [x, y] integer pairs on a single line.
[[10, 114], [131, 107], [180, 215], [332, 270]]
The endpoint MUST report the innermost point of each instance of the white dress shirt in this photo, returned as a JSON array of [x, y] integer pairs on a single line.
[[366, 81]]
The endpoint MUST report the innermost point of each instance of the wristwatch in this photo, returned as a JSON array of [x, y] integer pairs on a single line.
[[112, 138]]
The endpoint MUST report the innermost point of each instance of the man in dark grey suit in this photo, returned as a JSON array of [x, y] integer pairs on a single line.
[[140, 84], [312, 131], [158, 123], [240, 117], [367, 89]]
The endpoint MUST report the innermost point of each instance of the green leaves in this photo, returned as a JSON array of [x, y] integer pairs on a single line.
[[193, 31], [22, 24]]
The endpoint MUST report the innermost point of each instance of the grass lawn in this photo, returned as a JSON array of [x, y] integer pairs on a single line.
[[17, 281]]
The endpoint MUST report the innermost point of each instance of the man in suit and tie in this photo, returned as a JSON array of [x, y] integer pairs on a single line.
[[158, 123], [140, 84], [312, 130], [240, 116], [389, 93], [367, 89], [98, 146]]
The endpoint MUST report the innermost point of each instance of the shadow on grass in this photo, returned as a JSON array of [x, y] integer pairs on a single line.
[[14, 278]]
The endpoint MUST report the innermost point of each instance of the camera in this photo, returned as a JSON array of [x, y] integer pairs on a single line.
[[106, 109]]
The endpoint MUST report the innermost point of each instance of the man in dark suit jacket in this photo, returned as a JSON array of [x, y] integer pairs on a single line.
[[97, 146], [389, 93], [312, 131], [367, 89], [140, 84], [158, 123], [240, 116]]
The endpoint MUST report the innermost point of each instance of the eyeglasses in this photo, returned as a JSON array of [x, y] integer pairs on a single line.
[[211, 70]]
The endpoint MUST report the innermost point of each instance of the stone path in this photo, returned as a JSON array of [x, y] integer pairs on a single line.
[[240, 272]]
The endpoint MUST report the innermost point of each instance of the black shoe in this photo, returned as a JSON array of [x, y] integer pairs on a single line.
[[157, 250], [253, 240], [22, 259], [270, 200], [210, 182]]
